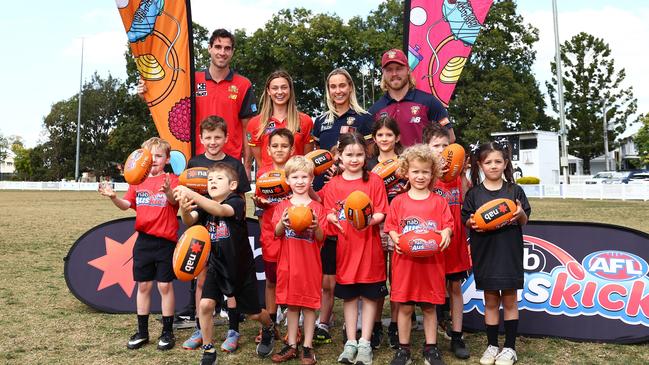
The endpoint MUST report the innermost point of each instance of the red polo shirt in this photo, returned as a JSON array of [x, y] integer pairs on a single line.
[[232, 99]]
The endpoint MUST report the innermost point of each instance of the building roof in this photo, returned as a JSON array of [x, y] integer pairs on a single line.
[[524, 133]]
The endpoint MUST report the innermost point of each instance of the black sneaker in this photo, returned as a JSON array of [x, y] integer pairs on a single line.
[[393, 337], [401, 357], [265, 346], [433, 356], [459, 349], [186, 318], [321, 336], [209, 355], [377, 336], [166, 341], [136, 341]]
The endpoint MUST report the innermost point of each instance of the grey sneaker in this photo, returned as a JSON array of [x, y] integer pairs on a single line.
[[364, 355], [401, 357], [349, 352], [433, 356], [489, 356], [506, 357], [265, 346], [459, 349]]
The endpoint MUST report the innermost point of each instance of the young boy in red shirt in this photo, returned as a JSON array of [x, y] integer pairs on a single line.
[[280, 149], [458, 261], [231, 269], [418, 280], [299, 269], [157, 227]]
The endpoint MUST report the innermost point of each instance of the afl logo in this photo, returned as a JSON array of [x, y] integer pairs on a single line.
[[615, 265]]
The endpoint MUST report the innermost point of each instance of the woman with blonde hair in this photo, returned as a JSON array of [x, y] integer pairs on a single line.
[[278, 110]]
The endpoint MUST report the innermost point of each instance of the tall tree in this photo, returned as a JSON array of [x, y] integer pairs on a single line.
[[641, 140], [591, 83], [497, 90]]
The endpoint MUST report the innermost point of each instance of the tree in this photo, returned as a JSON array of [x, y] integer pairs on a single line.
[[497, 90], [591, 83], [641, 140]]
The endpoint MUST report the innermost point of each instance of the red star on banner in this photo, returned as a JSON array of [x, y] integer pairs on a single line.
[[117, 265], [196, 247], [502, 208]]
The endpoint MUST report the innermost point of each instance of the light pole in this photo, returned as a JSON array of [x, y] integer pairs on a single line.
[[606, 159], [76, 165], [562, 117], [364, 70]]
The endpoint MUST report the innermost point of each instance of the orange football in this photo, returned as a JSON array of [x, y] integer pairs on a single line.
[[322, 159], [195, 179], [191, 253], [494, 214], [358, 209], [453, 154], [387, 170], [137, 166], [272, 184], [300, 217]]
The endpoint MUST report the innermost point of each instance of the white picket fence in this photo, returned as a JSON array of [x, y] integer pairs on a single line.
[[576, 191]]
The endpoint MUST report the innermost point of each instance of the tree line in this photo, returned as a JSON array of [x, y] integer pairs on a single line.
[[496, 92]]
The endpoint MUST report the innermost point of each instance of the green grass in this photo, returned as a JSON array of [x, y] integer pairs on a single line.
[[42, 322]]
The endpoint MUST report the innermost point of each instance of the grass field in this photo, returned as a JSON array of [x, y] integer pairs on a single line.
[[42, 322]]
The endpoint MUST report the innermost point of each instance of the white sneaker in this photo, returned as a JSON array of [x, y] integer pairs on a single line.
[[489, 356], [348, 356], [506, 357]]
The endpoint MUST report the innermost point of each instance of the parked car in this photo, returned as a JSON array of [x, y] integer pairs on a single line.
[[639, 178], [600, 177], [638, 175]]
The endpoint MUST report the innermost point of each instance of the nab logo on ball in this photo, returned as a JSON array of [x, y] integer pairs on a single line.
[[615, 265], [495, 212], [194, 252]]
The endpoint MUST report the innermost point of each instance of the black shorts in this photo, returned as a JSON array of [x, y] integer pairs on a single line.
[[370, 291], [419, 304], [270, 269], [152, 258], [457, 276], [245, 295], [328, 255]]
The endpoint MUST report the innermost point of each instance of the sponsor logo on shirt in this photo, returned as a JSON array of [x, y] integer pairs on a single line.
[[201, 89], [326, 125], [306, 235], [253, 107], [413, 223], [218, 230], [147, 198], [451, 196], [270, 128]]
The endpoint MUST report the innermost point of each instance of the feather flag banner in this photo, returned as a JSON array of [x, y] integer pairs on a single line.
[[439, 35], [160, 37]]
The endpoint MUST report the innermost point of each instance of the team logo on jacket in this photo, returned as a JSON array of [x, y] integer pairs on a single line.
[[415, 109], [201, 89], [218, 230], [351, 120]]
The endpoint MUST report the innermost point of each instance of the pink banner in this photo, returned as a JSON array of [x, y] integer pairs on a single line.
[[440, 34]]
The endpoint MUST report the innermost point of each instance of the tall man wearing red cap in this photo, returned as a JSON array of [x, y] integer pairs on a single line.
[[413, 109]]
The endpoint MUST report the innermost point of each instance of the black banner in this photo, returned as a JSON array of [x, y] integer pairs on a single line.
[[583, 281], [99, 268]]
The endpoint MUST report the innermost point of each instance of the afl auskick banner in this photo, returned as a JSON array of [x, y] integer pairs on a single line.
[[583, 281], [160, 37], [99, 267], [438, 36]]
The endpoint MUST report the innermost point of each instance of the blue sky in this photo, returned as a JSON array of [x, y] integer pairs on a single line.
[[40, 65]]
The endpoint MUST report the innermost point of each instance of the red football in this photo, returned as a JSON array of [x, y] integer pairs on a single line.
[[420, 243]]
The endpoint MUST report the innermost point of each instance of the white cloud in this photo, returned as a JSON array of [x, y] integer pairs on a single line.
[[625, 31]]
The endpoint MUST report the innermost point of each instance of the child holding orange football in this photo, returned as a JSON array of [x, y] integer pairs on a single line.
[[157, 227], [360, 261], [498, 254], [418, 280], [457, 255], [279, 148], [386, 134], [214, 135], [299, 269], [231, 268]]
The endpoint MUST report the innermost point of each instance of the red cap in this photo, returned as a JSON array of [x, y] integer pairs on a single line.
[[394, 55]]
